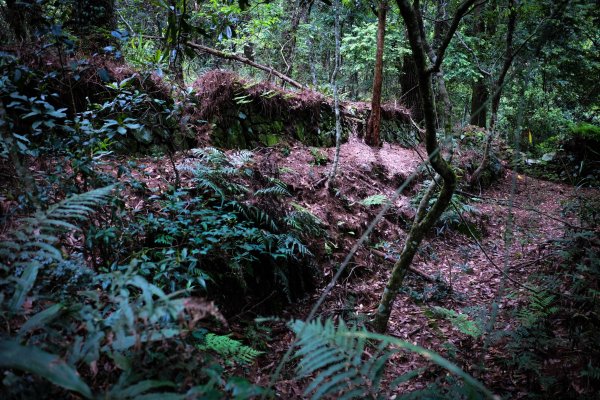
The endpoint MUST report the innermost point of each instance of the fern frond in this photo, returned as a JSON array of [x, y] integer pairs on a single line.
[[337, 360], [227, 347], [375, 200], [334, 356], [32, 243], [240, 158], [291, 246], [276, 190], [460, 321], [256, 215]]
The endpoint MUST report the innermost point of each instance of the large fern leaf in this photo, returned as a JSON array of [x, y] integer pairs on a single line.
[[226, 347], [337, 360], [32, 243]]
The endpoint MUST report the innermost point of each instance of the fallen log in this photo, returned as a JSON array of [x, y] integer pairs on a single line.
[[244, 60]]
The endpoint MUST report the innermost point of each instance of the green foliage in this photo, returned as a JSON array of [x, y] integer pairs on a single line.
[[67, 315], [145, 55], [226, 347], [462, 322], [38, 362], [586, 131], [319, 158], [337, 359], [559, 317], [220, 236], [32, 245], [375, 200]]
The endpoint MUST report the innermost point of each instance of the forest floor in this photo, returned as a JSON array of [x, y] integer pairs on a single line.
[[516, 221]]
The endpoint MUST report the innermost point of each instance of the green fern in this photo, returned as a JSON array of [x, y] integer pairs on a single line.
[[460, 322], [304, 222], [33, 241], [539, 308], [337, 360], [591, 372], [279, 188], [375, 200], [226, 347]]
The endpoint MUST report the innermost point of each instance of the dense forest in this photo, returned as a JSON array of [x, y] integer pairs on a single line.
[[299, 199]]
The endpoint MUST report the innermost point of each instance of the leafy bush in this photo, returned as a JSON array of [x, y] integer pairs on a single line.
[[586, 131], [117, 319], [220, 237]]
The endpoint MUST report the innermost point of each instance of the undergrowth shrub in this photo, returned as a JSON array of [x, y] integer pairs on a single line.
[[68, 327], [223, 238], [560, 319], [460, 216]]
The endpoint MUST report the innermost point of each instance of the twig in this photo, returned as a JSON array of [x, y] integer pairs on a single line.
[[411, 268]]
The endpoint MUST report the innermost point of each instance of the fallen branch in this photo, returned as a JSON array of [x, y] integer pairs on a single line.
[[244, 60], [410, 268]]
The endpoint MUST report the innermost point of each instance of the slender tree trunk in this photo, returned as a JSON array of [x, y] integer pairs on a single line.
[[374, 123], [497, 91], [299, 11], [336, 104], [424, 220]]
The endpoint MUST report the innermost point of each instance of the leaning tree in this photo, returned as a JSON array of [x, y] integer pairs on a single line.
[[427, 66]]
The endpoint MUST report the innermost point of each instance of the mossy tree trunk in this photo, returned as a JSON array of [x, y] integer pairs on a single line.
[[424, 221]]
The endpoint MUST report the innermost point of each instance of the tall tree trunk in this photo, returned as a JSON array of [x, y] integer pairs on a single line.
[[424, 220], [479, 89], [24, 17], [479, 99], [374, 123], [409, 83], [299, 11], [497, 91], [445, 112], [336, 103]]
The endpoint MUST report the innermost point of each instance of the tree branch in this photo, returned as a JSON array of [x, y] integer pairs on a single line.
[[458, 15], [244, 60]]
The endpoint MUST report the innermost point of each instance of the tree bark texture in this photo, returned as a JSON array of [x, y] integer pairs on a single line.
[[480, 92], [409, 83], [479, 99], [24, 17], [374, 123]]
